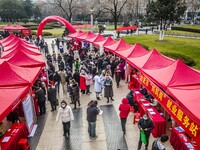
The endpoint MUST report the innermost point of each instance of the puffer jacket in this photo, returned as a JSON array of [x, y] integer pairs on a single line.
[[124, 108], [65, 114]]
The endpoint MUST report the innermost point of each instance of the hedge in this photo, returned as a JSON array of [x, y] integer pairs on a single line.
[[45, 27], [186, 29], [44, 33], [187, 60]]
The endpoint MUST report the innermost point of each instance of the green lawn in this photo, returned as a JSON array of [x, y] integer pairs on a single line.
[[188, 47], [195, 26], [177, 32]]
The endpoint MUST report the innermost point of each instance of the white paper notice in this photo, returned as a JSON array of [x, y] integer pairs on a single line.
[[6, 139]]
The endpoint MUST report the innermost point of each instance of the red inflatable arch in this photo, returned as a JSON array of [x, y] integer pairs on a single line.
[[57, 19]]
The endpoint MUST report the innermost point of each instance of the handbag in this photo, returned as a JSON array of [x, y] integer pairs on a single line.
[[143, 137]]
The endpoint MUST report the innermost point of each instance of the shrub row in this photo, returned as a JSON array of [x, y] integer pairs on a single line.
[[44, 33], [36, 27], [186, 29], [187, 60]]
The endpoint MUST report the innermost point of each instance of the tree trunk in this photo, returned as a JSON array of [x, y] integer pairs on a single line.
[[115, 17]]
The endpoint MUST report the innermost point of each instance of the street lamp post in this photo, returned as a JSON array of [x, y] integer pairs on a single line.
[[92, 21]]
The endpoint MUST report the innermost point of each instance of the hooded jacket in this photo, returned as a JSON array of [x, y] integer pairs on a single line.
[[65, 114], [124, 108]]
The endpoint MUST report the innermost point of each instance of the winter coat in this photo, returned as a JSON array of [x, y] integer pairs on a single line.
[[146, 124], [82, 82], [56, 78], [157, 145], [76, 77], [97, 84], [108, 90], [89, 80], [66, 114], [92, 112], [124, 108], [39, 94], [52, 94], [62, 77], [75, 92]]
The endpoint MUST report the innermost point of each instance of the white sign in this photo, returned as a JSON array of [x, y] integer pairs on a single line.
[[28, 112]]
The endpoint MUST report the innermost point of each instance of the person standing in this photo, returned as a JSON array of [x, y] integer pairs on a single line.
[[39, 94], [66, 115], [56, 79], [124, 109], [160, 144], [53, 45], [92, 112], [108, 90], [52, 97], [75, 93], [62, 75], [97, 85], [146, 125], [76, 76], [117, 75], [82, 82], [88, 82]]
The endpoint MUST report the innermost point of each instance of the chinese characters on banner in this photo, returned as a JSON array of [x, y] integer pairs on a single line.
[[191, 127]]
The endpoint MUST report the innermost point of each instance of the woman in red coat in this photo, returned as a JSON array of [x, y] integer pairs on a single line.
[[82, 82], [124, 109]]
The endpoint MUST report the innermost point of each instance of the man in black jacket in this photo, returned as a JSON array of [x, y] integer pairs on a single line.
[[52, 97], [146, 125], [92, 112], [39, 94]]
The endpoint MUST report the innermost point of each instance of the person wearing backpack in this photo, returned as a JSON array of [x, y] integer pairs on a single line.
[[160, 144]]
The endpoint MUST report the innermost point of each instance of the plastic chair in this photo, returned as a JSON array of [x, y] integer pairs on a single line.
[[136, 118], [23, 144]]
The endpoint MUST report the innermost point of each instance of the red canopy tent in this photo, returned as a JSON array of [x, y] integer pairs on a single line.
[[20, 45], [10, 98], [10, 40], [107, 42], [88, 35], [12, 75], [98, 38], [76, 34], [176, 74], [25, 31], [118, 46], [157, 61], [134, 51], [24, 59]]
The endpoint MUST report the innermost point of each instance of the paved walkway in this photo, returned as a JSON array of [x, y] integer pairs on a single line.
[[110, 136]]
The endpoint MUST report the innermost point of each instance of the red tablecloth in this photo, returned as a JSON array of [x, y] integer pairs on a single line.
[[178, 142], [158, 120], [17, 132]]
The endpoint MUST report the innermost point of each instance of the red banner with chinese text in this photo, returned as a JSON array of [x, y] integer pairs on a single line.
[[191, 126]]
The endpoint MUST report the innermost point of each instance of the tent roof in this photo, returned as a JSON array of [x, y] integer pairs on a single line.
[[139, 62], [157, 60], [107, 42], [12, 75], [17, 27], [188, 99], [9, 98], [118, 46], [76, 34], [135, 51], [24, 59], [98, 38], [176, 74], [9, 38], [21, 46], [88, 35]]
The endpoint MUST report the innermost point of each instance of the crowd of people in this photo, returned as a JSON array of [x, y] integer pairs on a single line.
[[75, 75]]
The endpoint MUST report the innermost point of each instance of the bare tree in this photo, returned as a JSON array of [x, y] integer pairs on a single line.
[[68, 7], [114, 7]]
